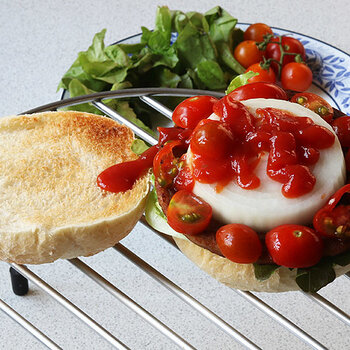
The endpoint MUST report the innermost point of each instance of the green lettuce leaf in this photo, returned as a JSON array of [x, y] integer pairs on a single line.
[[228, 59], [211, 75], [76, 71], [139, 146], [194, 46], [264, 272], [221, 24], [164, 22], [342, 259], [313, 278], [77, 88], [240, 80]]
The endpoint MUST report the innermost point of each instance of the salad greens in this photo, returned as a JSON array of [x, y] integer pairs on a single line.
[[240, 80], [309, 279], [185, 50]]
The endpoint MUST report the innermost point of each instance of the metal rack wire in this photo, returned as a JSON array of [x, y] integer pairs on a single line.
[[148, 97]]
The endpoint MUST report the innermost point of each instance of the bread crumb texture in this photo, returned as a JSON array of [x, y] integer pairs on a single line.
[[49, 166]]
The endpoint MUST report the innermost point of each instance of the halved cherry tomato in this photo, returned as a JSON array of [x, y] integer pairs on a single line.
[[266, 75], [341, 127], [239, 243], [247, 53], [165, 163], [211, 140], [257, 31], [333, 220], [192, 110], [172, 134], [290, 45], [184, 179], [258, 90], [296, 76], [294, 246], [316, 103], [188, 213]]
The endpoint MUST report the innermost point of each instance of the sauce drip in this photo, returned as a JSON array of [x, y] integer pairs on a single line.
[[121, 177], [293, 145]]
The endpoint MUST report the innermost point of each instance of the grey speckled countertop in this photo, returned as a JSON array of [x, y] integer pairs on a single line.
[[39, 40]]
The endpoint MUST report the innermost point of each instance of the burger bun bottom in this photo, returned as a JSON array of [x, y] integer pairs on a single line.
[[241, 276]]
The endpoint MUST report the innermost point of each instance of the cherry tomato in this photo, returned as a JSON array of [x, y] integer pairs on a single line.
[[266, 75], [192, 110], [184, 179], [247, 53], [290, 45], [258, 90], [341, 127], [316, 103], [165, 163], [296, 76], [188, 213], [234, 115], [172, 134], [294, 246], [347, 161], [239, 243], [211, 140], [334, 218], [257, 31]]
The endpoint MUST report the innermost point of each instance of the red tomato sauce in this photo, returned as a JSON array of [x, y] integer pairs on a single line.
[[121, 177], [293, 145]]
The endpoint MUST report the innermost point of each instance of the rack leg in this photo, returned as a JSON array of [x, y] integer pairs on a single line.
[[19, 283]]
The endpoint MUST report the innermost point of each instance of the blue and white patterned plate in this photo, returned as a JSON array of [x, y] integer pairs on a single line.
[[330, 66]]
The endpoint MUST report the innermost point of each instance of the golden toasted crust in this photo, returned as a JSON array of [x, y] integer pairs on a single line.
[[50, 204], [241, 276]]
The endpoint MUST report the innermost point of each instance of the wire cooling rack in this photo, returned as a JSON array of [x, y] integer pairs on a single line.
[[326, 325]]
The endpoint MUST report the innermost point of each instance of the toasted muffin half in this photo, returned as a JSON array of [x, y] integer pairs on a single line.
[[51, 206]]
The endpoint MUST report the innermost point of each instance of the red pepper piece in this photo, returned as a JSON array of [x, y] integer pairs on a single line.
[[333, 220]]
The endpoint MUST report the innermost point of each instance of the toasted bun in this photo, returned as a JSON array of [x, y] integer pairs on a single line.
[[51, 206], [241, 276]]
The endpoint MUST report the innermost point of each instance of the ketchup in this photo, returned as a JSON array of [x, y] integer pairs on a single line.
[[232, 148], [121, 177], [292, 144]]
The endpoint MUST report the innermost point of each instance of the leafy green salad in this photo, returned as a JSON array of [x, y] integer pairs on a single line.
[[185, 50]]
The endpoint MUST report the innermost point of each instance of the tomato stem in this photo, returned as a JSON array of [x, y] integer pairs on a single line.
[[263, 45]]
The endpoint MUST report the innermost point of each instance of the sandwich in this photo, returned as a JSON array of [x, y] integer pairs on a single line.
[[253, 190]]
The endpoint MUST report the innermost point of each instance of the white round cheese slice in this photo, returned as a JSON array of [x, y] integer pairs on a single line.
[[265, 207]]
